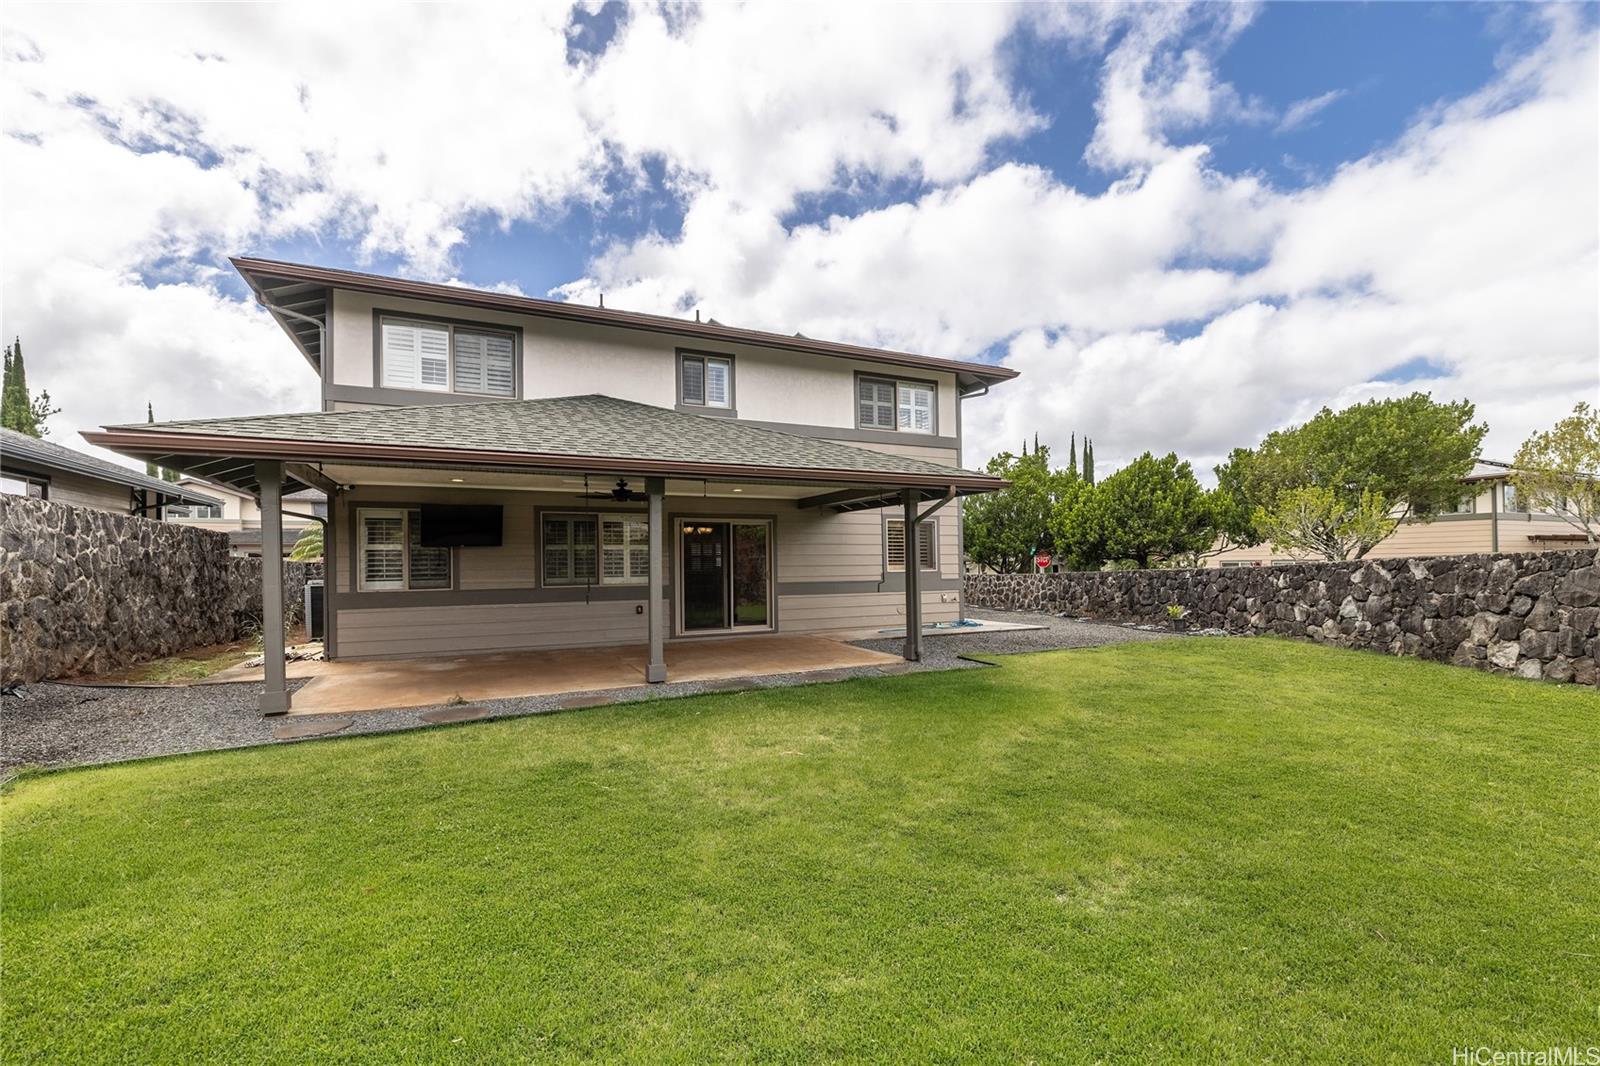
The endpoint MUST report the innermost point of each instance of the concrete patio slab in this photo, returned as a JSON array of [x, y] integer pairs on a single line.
[[348, 687]]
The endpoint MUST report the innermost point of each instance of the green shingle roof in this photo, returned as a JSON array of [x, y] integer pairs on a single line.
[[591, 426]]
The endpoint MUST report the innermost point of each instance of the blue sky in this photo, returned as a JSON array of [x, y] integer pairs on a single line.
[[1186, 225]]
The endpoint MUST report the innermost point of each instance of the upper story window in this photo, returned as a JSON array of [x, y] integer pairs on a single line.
[[1467, 504], [900, 405], [1508, 497], [705, 380], [192, 510], [445, 357]]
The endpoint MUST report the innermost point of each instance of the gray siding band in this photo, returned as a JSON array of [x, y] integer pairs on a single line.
[[894, 583], [352, 601]]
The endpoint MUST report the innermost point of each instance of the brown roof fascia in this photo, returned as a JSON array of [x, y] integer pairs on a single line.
[[157, 443], [528, 305]]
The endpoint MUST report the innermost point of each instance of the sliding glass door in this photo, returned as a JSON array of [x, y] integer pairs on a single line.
[[725, 575]]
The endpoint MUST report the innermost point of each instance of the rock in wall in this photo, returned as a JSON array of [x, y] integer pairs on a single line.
[[1533, 615], [85, 591]]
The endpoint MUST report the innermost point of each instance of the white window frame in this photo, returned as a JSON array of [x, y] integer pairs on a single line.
[[450, 330], [634, 547], [707, 361], [407, 516], [927, 534]]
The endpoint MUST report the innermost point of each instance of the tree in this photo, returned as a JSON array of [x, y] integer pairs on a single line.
[[1072, 458], [150, 469], [1400, 458], [1558, 470], [1153, 508], [1232, 512], [308, 547], [1088, 460], [19, 409], [1003, 530], [1314, 520], [1077, 526]]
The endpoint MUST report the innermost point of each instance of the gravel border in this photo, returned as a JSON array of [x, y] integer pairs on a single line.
[[54, 725]]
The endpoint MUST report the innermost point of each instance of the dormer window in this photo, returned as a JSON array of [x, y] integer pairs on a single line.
[[429, 356], [896, 404], [705, 380]]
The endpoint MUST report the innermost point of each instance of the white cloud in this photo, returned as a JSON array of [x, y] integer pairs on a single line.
[[1181, 308], [1300, 114]]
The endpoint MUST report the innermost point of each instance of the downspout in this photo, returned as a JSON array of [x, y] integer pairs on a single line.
[[322, 334]]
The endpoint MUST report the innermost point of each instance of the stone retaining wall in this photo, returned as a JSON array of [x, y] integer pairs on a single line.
[[1533, 614], [85, 591]]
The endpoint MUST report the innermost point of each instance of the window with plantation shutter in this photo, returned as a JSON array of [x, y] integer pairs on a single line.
[[601, 549], [705, 381], [916, 408], [875, 403], [446, 357], [416, 356], [383, 550], [484, 363], [894, 540], [392, 556]]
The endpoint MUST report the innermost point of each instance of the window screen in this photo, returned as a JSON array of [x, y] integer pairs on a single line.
[[875, 403], [416, 356], [484, 363]]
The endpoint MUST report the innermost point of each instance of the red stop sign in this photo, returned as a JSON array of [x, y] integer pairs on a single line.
[[1042, 560]]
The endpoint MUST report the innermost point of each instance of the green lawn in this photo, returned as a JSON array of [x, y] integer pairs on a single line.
[[1196, 850]]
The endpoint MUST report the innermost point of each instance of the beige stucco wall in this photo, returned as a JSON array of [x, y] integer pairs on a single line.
[[569, 359], [829, 575]]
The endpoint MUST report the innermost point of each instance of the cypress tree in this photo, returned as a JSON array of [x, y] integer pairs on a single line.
[[1088, 460], [1072, 457], [150, 469]]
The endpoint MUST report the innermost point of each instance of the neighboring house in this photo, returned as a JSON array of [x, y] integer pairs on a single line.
[[512, 473], [33, 467], [239, 515], [1488, 518]]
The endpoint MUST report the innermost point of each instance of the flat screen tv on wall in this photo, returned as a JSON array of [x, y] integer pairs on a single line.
[[461, 525]]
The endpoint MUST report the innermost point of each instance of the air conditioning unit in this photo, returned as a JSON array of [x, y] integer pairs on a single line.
[[316, 601]]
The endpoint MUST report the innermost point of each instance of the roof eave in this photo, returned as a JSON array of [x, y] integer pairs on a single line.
[[983, 374], [145, 444]]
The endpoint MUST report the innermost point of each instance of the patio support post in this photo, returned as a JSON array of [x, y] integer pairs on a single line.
[[913, 646], [275, 693], [656, 604]]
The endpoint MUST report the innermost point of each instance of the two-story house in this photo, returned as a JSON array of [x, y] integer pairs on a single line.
[[510, 473]]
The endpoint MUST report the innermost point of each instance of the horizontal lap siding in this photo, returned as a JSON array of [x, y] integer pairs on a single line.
[[394, 631], [865, 610]]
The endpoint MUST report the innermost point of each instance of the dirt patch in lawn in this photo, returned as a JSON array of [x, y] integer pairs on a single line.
[[195, 664]]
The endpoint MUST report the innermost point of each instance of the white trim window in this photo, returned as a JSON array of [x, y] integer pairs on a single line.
[[707, 381], [440, 357], [914, 407], [595, 549], [391, 557], [894, 545]]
